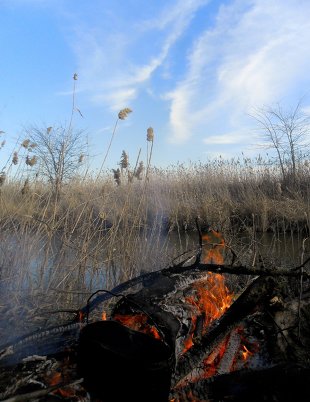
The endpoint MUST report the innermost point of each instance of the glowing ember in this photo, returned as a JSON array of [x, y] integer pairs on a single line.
[[245, 353], [104, 316], [55, 379], [66, 392], [81, 316], [212, 362], [138, 322]]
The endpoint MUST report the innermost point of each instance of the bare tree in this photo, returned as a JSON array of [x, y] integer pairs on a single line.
[[59, 151], [288, 133]]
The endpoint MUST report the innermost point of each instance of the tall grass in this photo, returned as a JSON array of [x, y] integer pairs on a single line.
[[98, 231]]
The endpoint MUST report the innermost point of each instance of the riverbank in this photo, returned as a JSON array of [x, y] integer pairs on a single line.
[[55, 251], [226, 196]]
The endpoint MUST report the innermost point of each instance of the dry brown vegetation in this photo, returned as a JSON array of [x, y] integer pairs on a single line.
[[62, 236], [96, 233]]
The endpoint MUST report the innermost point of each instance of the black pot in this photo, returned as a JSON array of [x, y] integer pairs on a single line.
[[118, 363]]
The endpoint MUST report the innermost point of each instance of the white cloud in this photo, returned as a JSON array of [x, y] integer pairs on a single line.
[[227, 139], [116, 99], [306, 110], [179, 11], [257, 53], [107, 62]]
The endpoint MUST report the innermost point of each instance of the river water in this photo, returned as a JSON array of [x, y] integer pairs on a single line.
[[40, 278]]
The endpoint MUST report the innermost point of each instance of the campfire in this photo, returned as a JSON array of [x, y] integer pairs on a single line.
[[179, 334]]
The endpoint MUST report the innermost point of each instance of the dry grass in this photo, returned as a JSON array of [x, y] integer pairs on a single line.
[[100, 230]]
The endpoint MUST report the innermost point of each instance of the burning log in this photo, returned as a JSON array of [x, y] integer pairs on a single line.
[[182, 335], [278, 383], [254, 297], [130, 363], [46, 342]]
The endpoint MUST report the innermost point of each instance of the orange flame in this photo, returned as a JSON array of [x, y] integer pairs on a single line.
[[247, 349], [138, 322], [212, 361], [245, 353], [55, 379], [66, 392], [211, 298], [213, 248], [104, 316], [81, 316]]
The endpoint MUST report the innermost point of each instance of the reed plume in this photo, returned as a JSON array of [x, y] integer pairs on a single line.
[[124, 113], [150, 134], [31, 161], [15, 158], [25, 143], [124, 163]]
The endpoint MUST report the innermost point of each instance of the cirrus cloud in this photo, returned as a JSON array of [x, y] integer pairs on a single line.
[[256, 53]]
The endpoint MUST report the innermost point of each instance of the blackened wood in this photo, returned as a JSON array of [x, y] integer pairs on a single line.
[[35, 395], [118, 364], [46, 342], [255, 296], [244, 270], [195, 269], [282, 383]]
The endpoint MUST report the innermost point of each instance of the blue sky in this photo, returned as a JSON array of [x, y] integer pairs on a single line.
[[192, 69]]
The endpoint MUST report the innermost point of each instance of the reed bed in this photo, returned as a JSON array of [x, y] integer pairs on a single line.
[[62, 240]]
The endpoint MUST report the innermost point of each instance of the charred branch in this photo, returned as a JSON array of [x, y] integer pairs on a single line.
[[278, 383], [254, 297], [197, 269]]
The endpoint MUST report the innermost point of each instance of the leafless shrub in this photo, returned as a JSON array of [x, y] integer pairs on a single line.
[[59, 152]]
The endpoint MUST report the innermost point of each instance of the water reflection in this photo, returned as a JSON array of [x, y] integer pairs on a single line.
[[282, 249], [40, 277]]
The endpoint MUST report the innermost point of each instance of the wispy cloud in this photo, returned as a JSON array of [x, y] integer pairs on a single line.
[[116, 99], [109, 61], [236, 137], [255, 54]]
